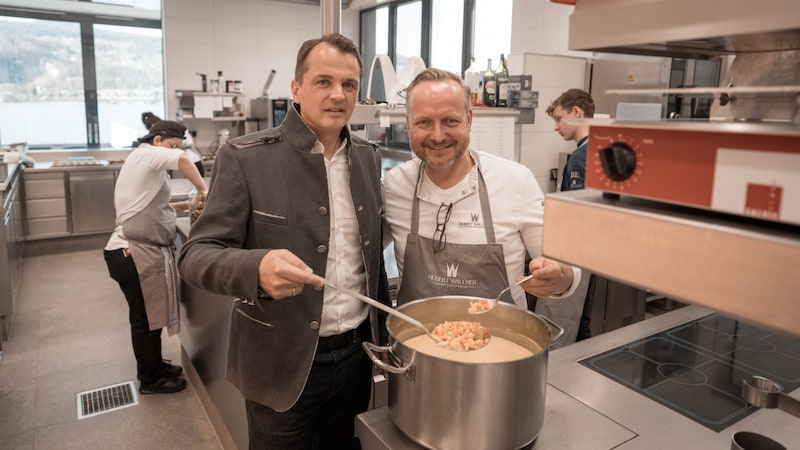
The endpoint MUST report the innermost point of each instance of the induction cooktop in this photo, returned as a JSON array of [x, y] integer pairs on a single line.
[[696, 369]]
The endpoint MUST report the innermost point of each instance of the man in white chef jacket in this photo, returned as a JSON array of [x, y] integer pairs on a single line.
[[463, 221]]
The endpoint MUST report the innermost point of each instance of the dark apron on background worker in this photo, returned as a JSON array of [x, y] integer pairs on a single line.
[[476, 270], [151, 235]]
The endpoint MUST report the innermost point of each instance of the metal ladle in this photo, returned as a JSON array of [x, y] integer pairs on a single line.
[[765, 393], [389, 310]]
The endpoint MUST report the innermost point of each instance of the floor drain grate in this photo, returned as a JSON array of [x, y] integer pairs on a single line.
[[107, 399]]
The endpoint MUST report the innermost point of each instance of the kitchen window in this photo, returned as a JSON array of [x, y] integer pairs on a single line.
[[492, 31], [79, 76], [409, 33], [447, 24], [444, 33], [127, 88]]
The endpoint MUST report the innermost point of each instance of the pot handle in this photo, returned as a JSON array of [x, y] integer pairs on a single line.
[[371, 348], [555, 326]]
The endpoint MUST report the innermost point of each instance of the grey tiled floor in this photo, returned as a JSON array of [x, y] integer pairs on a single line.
[[70, 334]]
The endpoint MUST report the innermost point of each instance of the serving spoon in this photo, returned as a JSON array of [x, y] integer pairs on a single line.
[[389, 310], [486, 305]]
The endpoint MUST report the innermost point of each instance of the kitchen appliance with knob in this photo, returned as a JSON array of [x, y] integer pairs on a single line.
[[736, 168], [701, 211]]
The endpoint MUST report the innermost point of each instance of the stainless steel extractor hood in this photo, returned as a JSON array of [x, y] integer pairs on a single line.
[[684, 28]]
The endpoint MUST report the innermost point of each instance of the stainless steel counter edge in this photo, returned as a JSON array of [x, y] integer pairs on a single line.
[[49, 167], [12, 168], [205, 322]]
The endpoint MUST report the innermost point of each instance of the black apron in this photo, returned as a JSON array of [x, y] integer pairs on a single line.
[[477, 270]]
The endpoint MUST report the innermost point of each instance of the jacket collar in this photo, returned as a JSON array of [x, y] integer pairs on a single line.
[[296, 132]]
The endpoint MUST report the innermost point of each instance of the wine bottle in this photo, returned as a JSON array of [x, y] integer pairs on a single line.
[[489, 85], [502, 82]]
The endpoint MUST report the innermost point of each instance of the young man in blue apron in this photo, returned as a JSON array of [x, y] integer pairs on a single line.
[[473, 216]]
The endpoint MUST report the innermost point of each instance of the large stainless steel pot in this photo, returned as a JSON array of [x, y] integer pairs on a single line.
[[445, 404]]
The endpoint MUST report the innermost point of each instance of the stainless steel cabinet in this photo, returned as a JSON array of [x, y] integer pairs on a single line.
[[91, 199], [45, 205], [11, 250]]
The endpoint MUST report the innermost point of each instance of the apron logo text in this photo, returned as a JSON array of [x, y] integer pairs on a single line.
[[452, 270], [475, 221], [452, 282]]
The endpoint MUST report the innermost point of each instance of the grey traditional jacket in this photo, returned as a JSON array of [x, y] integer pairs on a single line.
[[268, 191]]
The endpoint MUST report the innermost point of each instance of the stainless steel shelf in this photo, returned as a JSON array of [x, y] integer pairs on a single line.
[[216, 118], [736, 266], [387, 115]]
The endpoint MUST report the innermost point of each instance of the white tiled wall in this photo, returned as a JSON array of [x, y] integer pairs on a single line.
[[243, 38], [539, 46]]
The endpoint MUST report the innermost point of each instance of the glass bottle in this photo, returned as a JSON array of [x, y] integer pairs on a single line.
[[195, 207], [474, 79], [489, 85], [221, 85], [502, 82]]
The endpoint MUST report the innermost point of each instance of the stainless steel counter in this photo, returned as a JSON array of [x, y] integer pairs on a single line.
[[656, 426], [586, 410], [11, 170], [181, 187], [205, 322]]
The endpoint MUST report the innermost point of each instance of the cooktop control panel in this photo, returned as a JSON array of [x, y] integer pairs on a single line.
[[744, 169]]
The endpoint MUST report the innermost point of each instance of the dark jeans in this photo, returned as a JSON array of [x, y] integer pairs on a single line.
[[338, 388], [146, 343], [585, 326]]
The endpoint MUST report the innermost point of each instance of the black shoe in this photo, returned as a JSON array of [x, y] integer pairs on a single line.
[[164, 385], [170, 370]]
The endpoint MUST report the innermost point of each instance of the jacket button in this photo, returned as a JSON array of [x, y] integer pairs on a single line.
[[366, 243], [323, 211], [322, 248], [314, 325], [360, 208]]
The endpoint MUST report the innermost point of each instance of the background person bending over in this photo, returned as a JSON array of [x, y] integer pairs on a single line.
[[473, 216], [287, 203], [139, 252]]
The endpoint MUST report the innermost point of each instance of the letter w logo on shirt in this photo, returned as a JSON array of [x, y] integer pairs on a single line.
[[475, 217], [452, 270]]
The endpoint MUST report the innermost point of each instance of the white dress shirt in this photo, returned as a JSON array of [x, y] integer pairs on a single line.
[[345, 265]]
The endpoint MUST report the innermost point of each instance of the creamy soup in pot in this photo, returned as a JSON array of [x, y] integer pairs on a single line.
[[497, 350]]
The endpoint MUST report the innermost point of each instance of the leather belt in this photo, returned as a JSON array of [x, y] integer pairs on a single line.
[[335, 342]]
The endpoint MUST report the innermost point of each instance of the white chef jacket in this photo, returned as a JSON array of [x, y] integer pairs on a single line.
[[139, 180], [517, 205]]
